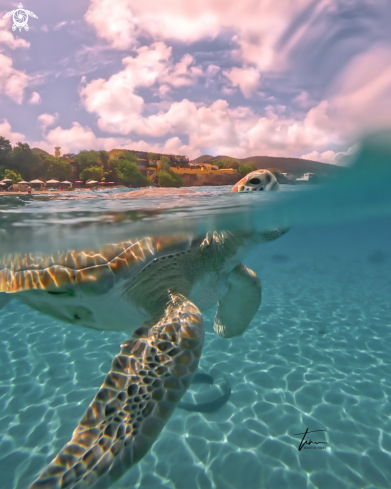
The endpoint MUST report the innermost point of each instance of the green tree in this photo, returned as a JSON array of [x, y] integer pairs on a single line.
[[166, 177], [5, 151], [244, 170], [169, 179], [153, 156], [104, 158], [165, 165], [92, 173], [86, 159], [227, 162], [89, 161], [57, 168], [24, 161], [12, 175], [127, 171]]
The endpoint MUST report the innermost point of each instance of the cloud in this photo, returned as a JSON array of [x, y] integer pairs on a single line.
[[361, 98], [247, 79], [6, 131], [7, 38], [121, 22], [218, 128], [77, 138], [332, 157], [35, 98], [114, 100], [325, 157], [215, 129], [304, 100], [12, 81], [47, 120], [258, 25], [212, 127]]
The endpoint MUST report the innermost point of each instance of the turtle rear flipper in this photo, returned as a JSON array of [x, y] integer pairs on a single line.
[[147, 380]]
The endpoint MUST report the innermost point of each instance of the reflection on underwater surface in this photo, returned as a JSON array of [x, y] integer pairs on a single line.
[[315, 356]]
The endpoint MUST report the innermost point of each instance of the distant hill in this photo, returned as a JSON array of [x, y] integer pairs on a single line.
[[296, 166], [39, 151], [204, 159]]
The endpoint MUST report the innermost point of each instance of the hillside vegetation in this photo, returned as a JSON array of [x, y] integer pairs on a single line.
[[295, 166], [23, 163]]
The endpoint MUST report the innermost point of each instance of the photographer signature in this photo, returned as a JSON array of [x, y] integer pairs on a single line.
[[308, 442]]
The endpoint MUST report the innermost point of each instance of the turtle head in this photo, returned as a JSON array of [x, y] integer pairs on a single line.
[[257, 180]]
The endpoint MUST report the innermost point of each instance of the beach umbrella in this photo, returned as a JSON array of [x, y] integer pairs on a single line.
[[7, 180], [91, 182], [36, 181], [3, 183], [52, 181], [66, 181], [110, 183], [23, 182], [79, 181]]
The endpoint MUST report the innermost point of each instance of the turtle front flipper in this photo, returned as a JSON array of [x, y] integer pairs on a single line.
[[147, 380], [238, 306]]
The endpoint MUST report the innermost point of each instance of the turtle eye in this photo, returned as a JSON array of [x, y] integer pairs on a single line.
[[254, 181]]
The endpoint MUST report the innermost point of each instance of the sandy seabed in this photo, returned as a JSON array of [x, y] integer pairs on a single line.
[[316, 356]]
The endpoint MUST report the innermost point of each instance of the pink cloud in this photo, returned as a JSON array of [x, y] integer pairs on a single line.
[[47, 120], [329, 156], [247, 79], [77, 138], [118, 107], [35, 98], [7, 37], [216, 129], [257, 24], [361, 99], [216, 126], [6, 131], [12, 81]]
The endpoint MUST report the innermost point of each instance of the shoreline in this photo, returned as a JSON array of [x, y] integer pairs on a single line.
[[52, 192]]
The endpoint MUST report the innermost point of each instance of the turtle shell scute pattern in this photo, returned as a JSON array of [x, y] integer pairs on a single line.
[[97, 269]]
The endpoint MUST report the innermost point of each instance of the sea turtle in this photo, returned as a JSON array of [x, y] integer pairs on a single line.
[[155, 289]]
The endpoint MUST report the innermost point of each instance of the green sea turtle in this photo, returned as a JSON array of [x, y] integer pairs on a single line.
[[155, 289]]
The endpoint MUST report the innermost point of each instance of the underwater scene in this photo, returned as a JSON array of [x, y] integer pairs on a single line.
[[298, 398]]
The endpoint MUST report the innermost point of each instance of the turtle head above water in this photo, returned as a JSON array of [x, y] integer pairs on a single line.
[[257, 180]]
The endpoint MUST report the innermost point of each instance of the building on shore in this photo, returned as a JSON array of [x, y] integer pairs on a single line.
[[307, 177], [148, 162]]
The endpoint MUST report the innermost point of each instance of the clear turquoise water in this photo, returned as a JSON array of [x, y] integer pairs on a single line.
[[316, 355]]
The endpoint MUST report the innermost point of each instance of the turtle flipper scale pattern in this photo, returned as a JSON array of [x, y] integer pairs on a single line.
[[147, 380]]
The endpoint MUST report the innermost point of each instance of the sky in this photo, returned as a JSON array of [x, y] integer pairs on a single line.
[[302, 78]]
